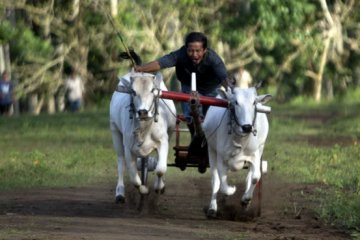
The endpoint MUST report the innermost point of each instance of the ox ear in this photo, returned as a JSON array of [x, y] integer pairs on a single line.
[[259, 84], [125, 80], [158, 79], [263, 98]]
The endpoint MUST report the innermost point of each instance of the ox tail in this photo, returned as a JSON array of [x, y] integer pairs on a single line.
[[131, 55]]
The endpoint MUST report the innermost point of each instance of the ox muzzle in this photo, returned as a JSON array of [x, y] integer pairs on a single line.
[[143, 114], [247, 128]]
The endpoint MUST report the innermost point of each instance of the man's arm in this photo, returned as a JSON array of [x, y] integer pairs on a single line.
[[225, 84], [153, 66]]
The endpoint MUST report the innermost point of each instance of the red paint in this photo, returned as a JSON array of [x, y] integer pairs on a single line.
[[184, 97]]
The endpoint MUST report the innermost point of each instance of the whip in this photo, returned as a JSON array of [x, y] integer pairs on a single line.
[[121, 39]]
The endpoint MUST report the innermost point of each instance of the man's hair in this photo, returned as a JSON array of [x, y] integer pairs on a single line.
[[4, 74], [196, 37]]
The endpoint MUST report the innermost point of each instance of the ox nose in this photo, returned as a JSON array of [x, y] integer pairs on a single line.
[[143, 113], [246, 128]]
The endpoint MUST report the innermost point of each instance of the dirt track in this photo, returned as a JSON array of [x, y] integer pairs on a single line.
[[90, 213]]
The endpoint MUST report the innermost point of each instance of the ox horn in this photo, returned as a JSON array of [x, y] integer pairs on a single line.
[[259, 84]]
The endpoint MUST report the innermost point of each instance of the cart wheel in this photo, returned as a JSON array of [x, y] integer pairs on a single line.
[[143, 168], [181, 163], [144, 171], [203, 163], [259, 197]]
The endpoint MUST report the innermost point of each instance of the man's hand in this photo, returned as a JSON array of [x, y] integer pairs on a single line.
[[149, 67], [138, 68]]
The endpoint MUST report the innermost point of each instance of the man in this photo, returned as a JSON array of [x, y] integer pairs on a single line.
[[194, 56], [6, 94], [74, 89]]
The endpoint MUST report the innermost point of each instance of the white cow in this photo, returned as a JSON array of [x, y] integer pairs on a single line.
[[248, 125], [140, 123]]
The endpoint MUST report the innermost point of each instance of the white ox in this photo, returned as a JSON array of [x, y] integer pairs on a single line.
[[248, 125], [140, 123]]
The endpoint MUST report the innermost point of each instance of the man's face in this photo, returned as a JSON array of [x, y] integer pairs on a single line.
[[5, 77], [196, 52]]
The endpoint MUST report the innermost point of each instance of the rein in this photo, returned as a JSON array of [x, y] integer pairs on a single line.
[[234, 121], [154, 107]]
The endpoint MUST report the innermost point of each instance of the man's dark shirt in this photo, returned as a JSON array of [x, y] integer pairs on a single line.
[[210, 72]]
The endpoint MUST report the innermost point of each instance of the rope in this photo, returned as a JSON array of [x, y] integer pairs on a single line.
[[218, 125], [169, 109]]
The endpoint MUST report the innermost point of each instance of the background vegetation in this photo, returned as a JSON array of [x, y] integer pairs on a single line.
[[307, 52], [308, 48]]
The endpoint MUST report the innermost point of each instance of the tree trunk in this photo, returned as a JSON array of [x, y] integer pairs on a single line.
[[356, 76], [75, 9], [51, 105], [7, 58], [2, 59], [319, 78], [32, 103], [329, 89], [114, 7]]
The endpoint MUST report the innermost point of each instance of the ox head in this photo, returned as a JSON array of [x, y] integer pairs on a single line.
[[144, 89], [244, 105]]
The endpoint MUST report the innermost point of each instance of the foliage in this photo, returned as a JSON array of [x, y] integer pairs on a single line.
[[281, 42], [30, 47], [6, 32]]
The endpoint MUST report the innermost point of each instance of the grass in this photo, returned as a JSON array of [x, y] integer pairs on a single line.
[[55, 150], [308, 143], [320, 144]]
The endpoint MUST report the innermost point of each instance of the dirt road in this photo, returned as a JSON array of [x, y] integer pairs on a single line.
[[90, 213]]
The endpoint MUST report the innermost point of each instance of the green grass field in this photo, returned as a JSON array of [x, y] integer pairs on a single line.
[[320, 145], [315, 144]]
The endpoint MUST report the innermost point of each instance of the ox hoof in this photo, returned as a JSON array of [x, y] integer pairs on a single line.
[[160, 191], [119, 199], [229, 191], [143, 190], [211, 213], [245, 203]]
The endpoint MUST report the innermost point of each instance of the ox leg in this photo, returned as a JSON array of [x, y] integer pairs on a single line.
[[224, 187], [133, 172], [215, 184], [119, 149], [161, 167], [252, 179]]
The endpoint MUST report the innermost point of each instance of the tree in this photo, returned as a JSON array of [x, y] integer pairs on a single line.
[[293, 45], [52, 37]]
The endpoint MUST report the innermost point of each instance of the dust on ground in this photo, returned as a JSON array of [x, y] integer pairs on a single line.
[[90, 213]]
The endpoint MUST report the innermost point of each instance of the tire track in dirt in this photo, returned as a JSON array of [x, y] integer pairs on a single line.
[[90, 213]]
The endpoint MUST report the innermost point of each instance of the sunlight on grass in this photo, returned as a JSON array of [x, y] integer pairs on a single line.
[[57, 150], [313, 144], [320, 144]]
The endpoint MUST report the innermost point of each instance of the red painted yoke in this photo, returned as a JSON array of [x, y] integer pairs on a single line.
[[184, 97]]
